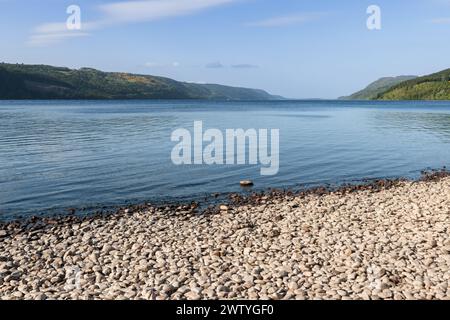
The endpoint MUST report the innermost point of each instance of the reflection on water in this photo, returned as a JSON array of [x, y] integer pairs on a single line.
[[56, 155]]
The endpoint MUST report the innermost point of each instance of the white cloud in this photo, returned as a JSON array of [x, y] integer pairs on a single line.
[[286, 20], [174, 64], [135, 11], [60, 27], [51, 28], [123, 12], [45, 39], [219, 65], [51, 33]]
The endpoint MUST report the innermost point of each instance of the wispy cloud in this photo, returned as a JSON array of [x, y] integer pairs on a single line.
[[50, 33], [60, 27], [135, 11], [174, 64], [214, 65], [244, 66], [122, 12], [286, 20], [441, 21], [219, 65], [44, 39]]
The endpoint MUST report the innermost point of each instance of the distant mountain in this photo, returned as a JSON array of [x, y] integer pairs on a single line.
[[373, 90], [19, 81], [435, 86]]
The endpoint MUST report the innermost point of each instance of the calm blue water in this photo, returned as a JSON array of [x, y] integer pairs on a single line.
[[60, 154]]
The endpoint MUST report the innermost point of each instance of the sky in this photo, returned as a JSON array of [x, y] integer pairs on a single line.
[[294, 48]]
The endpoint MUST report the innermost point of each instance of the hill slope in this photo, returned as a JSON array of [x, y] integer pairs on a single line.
[[18, 81], [373, 90], [432, 87]]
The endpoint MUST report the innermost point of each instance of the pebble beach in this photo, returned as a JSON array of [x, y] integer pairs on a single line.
[[386, 243]]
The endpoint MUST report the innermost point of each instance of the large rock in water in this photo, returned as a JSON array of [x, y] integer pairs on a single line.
[[246, 183]]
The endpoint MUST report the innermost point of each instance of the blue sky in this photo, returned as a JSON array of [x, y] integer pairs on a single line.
[[295, 48]]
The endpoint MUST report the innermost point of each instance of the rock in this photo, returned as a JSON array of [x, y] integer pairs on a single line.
[[93, 257], [246, 183], [293, 286], [236, 278], [196, 290], [14, 276], [342, 293], [107, 248], [249, 279], [192, 296], [446, 249], [223, 289], [40, 296]]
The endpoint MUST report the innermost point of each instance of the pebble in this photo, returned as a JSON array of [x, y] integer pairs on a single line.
[[246, 183], [386, 244]]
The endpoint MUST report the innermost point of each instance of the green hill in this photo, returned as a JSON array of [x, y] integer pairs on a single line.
[[373, 90], [19, 81], [432, 87]]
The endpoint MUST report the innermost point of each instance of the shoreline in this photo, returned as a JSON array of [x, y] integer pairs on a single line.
[[211, 203], [386, 240]]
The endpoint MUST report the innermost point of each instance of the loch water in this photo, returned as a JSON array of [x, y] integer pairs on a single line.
[[56, 155]]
